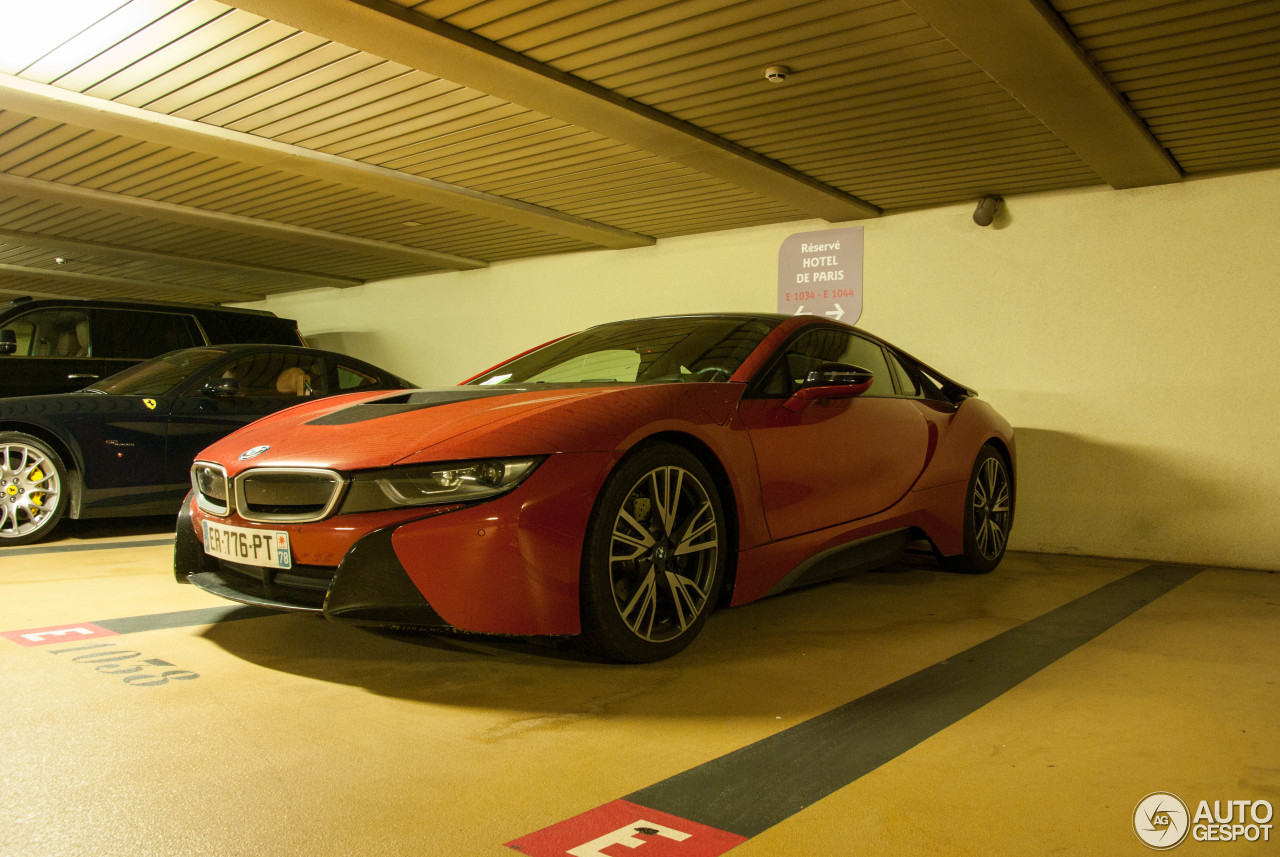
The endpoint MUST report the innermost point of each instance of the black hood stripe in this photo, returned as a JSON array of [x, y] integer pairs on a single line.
[[421, 400]]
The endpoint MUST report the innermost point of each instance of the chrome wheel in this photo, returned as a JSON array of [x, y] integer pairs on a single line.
[[31, 489], [663, 552], [654, 556], [992, 503]]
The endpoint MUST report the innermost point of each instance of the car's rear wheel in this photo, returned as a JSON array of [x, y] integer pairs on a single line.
[[988, 515], [33, 489], [654, 556]]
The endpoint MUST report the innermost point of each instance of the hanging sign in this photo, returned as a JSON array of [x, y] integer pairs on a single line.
[[820, 273]]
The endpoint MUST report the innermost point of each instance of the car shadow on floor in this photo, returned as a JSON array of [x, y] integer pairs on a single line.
[[776, 655], [111, 528]]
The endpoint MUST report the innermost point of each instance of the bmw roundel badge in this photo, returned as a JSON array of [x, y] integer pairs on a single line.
[[253, 453]]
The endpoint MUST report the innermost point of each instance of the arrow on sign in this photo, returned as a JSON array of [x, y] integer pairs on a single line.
[[838, 312]]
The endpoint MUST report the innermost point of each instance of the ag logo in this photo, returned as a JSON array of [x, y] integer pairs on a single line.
[[253, 453], [1161, 820], [150, 403]]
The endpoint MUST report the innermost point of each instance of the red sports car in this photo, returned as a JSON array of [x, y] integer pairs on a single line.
[[613, 485]]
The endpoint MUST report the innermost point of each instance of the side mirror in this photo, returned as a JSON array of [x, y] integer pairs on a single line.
[[831, 381], [222, 387], [8, 341]]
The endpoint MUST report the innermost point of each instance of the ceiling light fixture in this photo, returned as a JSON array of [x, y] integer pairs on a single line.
[[988, 208]]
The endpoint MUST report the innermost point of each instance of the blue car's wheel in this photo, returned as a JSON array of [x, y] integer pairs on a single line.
[[33, 489], [654, 556]]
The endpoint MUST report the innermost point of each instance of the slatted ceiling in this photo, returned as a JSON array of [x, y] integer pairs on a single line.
[[112, 29], [155, 172], [375, 110], [564, 140], [155, 235], [879, 105], [501, 174], [415, 153], [1195, 72], [466, 119], [136, 82], [1169, 71], [255, 62], [798, 37], [746, 94], [857, 105], [170, 84], [813, 68], [907, 144]]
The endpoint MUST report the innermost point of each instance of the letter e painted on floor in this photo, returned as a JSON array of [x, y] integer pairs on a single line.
[[623, 825], [57, 634]]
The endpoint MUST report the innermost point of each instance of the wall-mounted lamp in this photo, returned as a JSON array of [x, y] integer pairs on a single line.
[[987, 209]]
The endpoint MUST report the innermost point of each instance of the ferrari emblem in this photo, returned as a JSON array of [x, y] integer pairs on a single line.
[[150, 403]]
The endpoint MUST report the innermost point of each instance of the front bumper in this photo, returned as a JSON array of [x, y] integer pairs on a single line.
[[505, 566]]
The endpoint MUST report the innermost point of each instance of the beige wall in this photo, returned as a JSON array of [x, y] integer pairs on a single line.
[[1129, 336]]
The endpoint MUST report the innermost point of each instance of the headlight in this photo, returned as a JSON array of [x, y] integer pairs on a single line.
[[432, 484]]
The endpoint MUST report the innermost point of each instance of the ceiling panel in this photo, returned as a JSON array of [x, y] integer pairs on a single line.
[[203, 148]]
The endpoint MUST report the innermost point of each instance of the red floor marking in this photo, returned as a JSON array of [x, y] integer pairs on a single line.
[[624, 825], [57, 634]]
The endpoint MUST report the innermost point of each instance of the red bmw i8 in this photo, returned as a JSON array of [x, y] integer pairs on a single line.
[[614, 485]]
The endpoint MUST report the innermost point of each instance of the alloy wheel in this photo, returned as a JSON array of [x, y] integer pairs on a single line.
[[992, 508], [663, 554], [30, 490]]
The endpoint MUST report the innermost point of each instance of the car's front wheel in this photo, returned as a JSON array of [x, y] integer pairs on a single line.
[[33, 489], [988, 515], [654, 557]]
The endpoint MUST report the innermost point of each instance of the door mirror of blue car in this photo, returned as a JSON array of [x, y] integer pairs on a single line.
[[222, 387]]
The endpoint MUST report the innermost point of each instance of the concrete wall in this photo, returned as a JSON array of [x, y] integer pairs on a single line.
[[1129, 336]]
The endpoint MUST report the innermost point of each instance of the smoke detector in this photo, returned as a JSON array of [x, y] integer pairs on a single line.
[[776, 73]]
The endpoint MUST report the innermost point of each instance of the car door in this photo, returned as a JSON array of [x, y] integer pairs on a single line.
[[51, 354], [833, 461], [122, 447], [233, 393]]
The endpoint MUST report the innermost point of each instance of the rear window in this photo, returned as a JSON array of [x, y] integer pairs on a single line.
[[228, 327], [136, 335]]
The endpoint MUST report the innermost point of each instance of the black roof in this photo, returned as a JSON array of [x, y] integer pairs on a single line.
[[114, 304]]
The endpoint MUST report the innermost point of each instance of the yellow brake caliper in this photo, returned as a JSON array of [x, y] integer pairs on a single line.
[[37, 497]]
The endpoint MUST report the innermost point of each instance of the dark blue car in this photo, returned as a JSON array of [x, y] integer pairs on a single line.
[[125, 445]]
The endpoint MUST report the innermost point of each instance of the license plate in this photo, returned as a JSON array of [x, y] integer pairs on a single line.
[[268, 548]]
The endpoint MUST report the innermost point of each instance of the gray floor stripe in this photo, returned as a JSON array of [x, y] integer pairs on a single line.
[[185, 618], [758, 786], [87, 546]]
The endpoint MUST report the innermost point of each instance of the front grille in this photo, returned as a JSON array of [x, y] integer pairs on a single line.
[[269, 495], [286, 495]]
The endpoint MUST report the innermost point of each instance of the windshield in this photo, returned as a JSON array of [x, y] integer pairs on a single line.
[[158, 376], [645, 351]]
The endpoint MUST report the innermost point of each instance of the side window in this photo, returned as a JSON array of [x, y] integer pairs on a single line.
[[350, 380], [906, 379], [136, 335], [276, 375], [51, 333], [828, 346]]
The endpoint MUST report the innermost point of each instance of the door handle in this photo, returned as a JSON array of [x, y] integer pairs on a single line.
[[82, 377]]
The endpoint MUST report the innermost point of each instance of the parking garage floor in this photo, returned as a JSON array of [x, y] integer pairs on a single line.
[[904, 711]]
